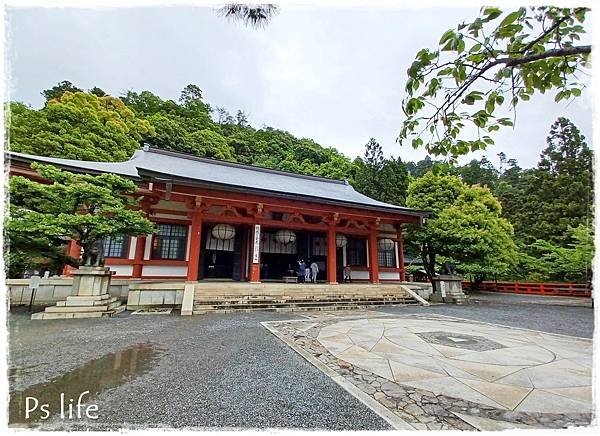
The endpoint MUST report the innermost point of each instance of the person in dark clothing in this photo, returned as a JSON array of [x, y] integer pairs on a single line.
[[301, 270]]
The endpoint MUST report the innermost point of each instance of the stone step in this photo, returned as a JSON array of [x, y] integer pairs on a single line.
[[117, 310], [279, 309], [301, 294], [88, 297], [304, 305], [202, 311], [73, 309], [88, 302], [69, 312], [66, 315], [295, 300], [298, 297]]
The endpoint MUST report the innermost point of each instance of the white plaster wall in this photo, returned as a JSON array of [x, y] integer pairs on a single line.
[[189, 238], [161, 270], [170, 216], [389, 275], [148, 249], [122, 270], [360, 275], [132, 245]]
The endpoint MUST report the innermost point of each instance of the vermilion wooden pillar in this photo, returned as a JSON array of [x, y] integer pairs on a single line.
[[255, 254], [195, 246], [138, 261], [373, 255], [73, 250], [401, 254], [331, 255]]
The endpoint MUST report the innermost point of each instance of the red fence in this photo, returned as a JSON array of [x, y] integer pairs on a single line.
[[558, 289]]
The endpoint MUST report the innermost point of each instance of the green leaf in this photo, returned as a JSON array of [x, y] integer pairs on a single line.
[[492, 13], [448, 35], [510, 18]]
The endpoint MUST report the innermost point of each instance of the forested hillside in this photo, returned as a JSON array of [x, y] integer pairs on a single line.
[[94, 126], [546, 211]]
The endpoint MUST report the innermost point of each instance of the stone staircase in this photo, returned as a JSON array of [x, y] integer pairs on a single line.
[[76, 306], [241, 297]]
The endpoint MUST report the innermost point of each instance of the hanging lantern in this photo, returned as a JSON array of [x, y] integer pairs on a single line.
[[285, 236], [340, 240], [386, 244], [223, 231]]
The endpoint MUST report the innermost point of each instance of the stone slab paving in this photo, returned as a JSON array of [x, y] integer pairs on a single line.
[[438, 372]]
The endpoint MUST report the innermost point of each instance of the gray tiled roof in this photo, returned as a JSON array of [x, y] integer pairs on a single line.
[[194, 170]]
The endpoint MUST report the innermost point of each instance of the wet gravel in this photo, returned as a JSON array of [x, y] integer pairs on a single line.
[[523, 311], [212, 371], [225, 370]]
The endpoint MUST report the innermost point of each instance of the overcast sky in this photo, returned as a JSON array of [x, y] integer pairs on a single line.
[[334, 75]]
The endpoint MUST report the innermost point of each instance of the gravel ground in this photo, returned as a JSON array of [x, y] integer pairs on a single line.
[[524, 311], [223, 370], [212, 371]]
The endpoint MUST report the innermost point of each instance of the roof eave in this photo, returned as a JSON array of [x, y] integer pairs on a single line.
[[205, 184], [22, 159]]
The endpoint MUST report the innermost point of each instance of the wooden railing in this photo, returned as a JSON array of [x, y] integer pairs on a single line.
[[557, 289]]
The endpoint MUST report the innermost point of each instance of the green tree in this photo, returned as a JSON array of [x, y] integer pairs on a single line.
[[380, 178], [98, 92], [479, 172], [558, 194], [465, 228], [58, 90], [210, 144], [77, 126], [86, 126], [80, 207], [545, 261], [494, 61]]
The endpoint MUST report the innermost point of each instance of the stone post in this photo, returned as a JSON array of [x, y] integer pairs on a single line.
[[448, 289]]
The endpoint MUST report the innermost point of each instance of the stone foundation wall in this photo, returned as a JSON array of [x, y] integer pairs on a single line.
[[424, 290], [159, 294], [55, 289]]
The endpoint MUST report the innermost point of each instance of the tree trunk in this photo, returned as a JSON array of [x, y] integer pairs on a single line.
[[428, 257]]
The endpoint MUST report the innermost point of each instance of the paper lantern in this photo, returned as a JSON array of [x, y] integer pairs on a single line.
[[386, 244], [285, 236], [340, 240], [223, 231]]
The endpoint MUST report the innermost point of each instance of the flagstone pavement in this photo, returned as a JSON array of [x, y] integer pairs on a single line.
[[506, 368], [433, 372]]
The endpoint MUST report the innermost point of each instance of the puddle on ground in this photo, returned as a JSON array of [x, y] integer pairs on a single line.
[[96, 376]]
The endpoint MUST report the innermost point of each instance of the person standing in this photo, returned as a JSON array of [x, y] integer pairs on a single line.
[[301, 270], [347, 274], [314, 270], [307, 272]]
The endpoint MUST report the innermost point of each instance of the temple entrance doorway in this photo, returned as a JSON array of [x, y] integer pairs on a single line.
[[222, 258], [279, 260]]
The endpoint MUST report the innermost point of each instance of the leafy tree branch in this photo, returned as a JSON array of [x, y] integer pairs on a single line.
[[495, 61]]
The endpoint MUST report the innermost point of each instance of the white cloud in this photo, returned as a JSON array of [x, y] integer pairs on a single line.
[[332, 74]]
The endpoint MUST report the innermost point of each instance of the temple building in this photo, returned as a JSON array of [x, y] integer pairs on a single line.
[[219, 220]]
